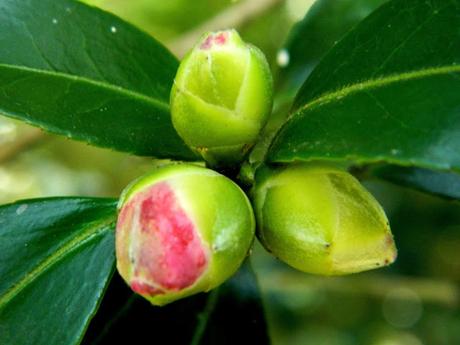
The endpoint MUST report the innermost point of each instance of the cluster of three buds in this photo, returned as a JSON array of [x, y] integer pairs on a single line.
[[185, 229]]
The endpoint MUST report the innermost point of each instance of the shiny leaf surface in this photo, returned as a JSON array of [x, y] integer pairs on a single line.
[[77, 71], [387, 92], [325, 23], [56, 257]]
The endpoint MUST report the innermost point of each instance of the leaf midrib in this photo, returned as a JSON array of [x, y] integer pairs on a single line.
[[74, 243], [374, 84], [114, 88]]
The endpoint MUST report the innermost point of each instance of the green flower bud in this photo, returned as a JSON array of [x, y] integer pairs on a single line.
[[222, 96], [321, 220], [181, 230]]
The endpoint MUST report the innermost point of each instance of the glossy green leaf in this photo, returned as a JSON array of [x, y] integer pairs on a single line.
[[77, 71], [325, 23], [443, 184], [56, 257], [230, 314], [389, 91]]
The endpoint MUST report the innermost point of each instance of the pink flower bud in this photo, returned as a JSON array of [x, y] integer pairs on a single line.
[[181, 230]]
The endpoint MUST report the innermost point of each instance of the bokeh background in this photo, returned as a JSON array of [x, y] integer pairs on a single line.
[[413, 302]]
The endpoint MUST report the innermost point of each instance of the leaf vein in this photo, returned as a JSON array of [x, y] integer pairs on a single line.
[[406, 39], [118, 89], [377, 83], [73, 243]]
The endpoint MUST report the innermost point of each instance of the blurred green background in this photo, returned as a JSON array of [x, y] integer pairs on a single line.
[[413, 302]]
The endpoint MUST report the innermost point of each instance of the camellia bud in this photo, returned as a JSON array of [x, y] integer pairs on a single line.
[[222, 96], [181, 230], [321, 220]]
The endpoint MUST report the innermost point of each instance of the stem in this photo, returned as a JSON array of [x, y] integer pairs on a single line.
[[27, 140], [203, 318], [234, 17]]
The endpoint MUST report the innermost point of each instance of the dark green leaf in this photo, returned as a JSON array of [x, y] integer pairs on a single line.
[[389, 91], [444, 184], [56, 256], [230, 314], [323, 26], [75, 70]]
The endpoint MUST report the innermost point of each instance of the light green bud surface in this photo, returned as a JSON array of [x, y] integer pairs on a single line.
[[221, 97], [321, 220], [182, 229]]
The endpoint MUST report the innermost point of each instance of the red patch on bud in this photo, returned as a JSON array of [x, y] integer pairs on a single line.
[[217, 39], [164, 247], [221, 38], [144, 289]]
